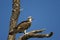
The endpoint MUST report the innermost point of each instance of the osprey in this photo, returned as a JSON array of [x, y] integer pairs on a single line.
[[22, 27]]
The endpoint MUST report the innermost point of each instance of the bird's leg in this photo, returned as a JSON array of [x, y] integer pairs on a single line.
[[25, 32]]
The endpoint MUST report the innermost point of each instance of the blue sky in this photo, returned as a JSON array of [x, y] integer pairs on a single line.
[[46, 14]]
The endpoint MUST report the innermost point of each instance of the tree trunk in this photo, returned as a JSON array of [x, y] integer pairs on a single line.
[[14, 17]]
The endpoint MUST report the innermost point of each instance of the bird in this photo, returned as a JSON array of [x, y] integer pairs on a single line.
[[23, 26]]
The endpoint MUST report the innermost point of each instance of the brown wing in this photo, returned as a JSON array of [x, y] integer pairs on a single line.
[[22, 26]]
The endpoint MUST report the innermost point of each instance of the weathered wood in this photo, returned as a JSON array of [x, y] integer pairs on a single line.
[[14, 17], [34, 34]]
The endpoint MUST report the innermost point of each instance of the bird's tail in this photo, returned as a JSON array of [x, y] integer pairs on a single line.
[[12, 32]]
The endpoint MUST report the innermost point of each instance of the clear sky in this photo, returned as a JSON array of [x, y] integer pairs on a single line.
[[46, 14]]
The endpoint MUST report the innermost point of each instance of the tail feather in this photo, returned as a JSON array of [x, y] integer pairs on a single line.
[[11, 33]]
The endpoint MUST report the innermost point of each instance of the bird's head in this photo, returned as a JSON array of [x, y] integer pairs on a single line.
[[30, 18]]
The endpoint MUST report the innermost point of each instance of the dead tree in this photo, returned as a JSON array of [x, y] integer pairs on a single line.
[[13, 23], [14, 17], [34, 34]]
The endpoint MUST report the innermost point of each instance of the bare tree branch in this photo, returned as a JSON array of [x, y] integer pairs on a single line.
[[13, 24], [14, 17], [33, 34]]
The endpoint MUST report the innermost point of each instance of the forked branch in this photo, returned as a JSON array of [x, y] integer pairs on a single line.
[[34, 34]]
